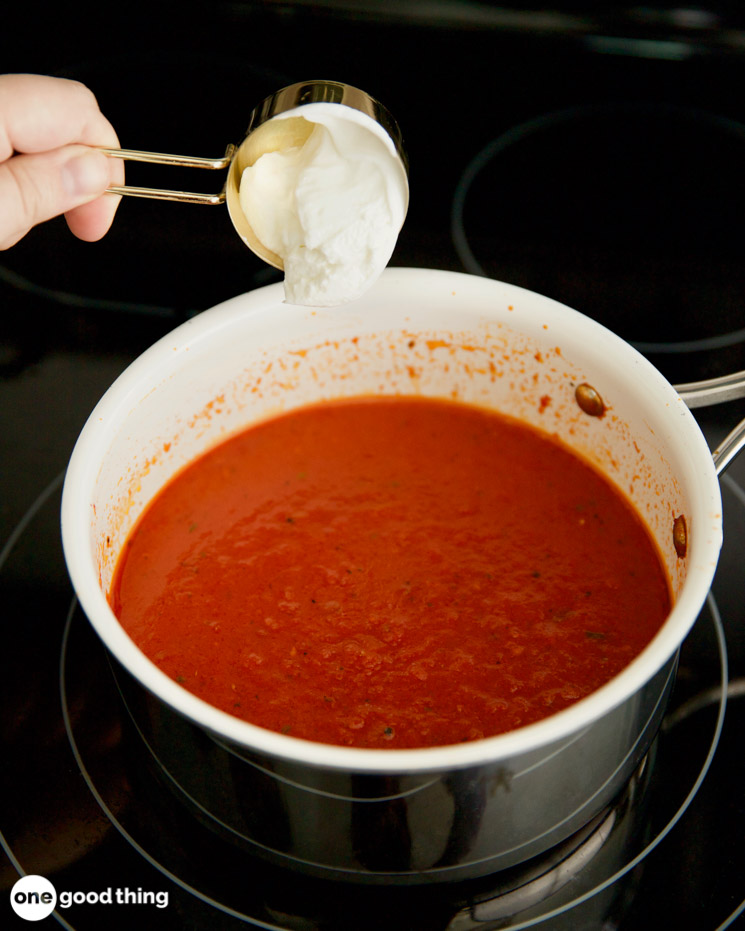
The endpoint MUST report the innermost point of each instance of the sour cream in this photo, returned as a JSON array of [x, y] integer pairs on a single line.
[[331, 208]]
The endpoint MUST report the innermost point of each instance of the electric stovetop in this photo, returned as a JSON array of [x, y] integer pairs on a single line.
[[596, 162]]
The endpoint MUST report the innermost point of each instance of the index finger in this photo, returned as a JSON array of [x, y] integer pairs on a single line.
[[39, 113]]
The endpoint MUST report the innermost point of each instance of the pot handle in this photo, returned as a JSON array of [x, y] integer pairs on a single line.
[[728, 449], [713, 390], [716, 391]]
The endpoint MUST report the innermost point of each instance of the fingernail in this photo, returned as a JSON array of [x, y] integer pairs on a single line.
[[86, 174]]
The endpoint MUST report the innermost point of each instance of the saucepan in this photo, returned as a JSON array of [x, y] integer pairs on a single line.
[[419, 815]]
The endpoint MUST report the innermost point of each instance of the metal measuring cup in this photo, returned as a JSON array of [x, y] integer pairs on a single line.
[[262, 136]]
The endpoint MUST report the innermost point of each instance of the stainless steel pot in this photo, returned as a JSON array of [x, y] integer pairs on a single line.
[[398, 815]]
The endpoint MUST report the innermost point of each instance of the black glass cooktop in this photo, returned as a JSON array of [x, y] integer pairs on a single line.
[[577, 156]]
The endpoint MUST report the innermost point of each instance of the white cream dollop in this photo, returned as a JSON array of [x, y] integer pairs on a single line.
[[331, 208]]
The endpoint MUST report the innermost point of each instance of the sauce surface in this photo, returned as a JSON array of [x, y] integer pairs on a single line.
[[390, 573]]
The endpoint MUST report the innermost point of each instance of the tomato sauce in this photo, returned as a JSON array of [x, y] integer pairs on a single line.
[[390, 572]]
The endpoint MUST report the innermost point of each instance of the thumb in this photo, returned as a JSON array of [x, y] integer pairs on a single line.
[[84, 176], [39, 186]]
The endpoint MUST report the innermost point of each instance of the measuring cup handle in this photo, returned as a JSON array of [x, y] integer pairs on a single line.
[[160, 158]]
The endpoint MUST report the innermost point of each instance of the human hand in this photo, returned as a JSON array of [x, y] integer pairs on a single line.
[[47, 165]]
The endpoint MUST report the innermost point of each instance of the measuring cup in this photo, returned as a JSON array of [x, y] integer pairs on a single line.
[[263, 135]]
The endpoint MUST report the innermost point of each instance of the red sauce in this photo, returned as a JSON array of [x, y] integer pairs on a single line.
[[390, 573]]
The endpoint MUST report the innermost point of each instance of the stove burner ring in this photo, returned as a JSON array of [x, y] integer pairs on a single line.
[[524, 131]]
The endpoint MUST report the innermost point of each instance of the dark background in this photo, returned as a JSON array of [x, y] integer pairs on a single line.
[[633, 217]]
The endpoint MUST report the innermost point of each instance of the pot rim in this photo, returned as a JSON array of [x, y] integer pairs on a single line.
[[563, 726]]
